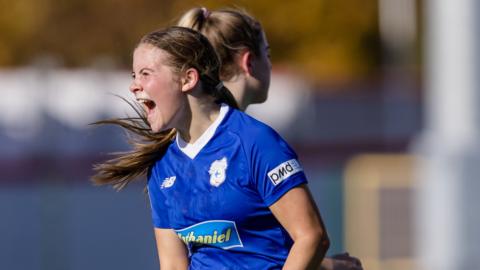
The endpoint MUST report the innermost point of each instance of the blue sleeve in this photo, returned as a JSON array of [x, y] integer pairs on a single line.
[[275, 167], [158, 202]]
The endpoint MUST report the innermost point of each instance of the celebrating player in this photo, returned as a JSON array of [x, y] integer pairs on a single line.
[[226, 191]]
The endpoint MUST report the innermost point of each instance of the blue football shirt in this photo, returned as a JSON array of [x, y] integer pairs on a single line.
[[215, 193]]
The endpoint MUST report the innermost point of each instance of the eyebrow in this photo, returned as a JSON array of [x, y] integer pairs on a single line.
[[143, 69]]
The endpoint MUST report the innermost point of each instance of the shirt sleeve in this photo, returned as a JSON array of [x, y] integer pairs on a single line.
[[275, 167], [158, 202]]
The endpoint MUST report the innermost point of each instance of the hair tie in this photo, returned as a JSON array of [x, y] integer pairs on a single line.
[[206, 13], [219, 86]]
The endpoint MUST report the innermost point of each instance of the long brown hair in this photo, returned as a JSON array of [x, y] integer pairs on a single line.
[[186, 49], [229, 31]]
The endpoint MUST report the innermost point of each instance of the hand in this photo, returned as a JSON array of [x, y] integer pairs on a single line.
[[342, 261]]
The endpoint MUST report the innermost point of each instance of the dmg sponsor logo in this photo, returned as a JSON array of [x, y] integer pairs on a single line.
[[284, 170], [218, 233]]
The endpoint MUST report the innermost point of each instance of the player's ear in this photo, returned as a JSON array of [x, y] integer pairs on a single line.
[[246, 61], [189, 79]]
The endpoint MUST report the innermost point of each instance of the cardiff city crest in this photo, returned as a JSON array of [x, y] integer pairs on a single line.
[[218, 172]]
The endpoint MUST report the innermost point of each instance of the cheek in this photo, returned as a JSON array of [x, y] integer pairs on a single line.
[[266, 76], [164, 92], [169, 100]]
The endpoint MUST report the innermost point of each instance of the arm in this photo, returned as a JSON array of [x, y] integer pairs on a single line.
[[171, 250], [298, 214]]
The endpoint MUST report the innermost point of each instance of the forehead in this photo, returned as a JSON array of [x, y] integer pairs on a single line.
[[148, 55]]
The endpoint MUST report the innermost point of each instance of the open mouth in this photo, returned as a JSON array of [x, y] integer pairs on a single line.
[[149, 104]]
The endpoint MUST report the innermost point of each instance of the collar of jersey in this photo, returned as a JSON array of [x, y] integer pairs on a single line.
[[192, 150]]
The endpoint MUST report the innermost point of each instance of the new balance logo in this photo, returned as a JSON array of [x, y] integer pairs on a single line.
[[168, 182]]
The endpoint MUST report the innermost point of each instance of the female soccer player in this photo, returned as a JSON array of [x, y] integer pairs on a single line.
[[227, 192], [241, 44]]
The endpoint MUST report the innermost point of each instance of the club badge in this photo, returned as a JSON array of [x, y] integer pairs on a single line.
[[218, 172]]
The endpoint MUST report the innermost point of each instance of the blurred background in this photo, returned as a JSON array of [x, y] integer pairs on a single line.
[[378, 97]]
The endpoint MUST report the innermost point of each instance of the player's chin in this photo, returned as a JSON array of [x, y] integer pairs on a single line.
[[261, 97], [157, 127], [160, 127], [156, 124]]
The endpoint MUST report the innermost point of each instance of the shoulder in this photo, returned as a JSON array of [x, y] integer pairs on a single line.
[[272, 163], [250, 130], [261, 144]]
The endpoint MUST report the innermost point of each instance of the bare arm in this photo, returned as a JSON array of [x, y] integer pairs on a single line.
[[172, 252], [298, 214]]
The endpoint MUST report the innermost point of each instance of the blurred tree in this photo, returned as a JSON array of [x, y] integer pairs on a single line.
[[325, 39], [19, 21]]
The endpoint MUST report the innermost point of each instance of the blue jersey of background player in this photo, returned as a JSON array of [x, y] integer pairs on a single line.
[[215, 193]]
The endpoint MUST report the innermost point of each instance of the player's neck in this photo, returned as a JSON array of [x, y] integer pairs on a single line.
[[237, 87], [203, 114]]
